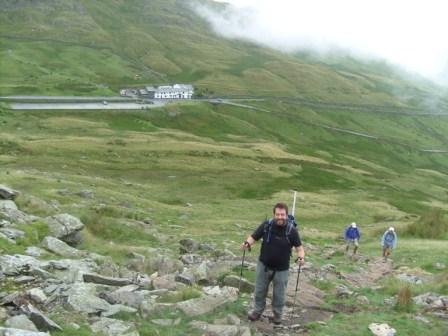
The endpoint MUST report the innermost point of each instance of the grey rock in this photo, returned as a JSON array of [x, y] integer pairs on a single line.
[[166, 322], [65, 227], [432, 301], [216, 329], [343, 292], [20, 332], [99, 279], [37, 295], [4, 223], [9, 212], [35, 251], [188, 246], [128, 295], [217, 298], [23, 279], [363, 300], [201, 274], [17, 264], [20, 322], [234, 281], [81, 297], [7, 193], [59, 247], [72, 270], [40, 320], [381, 329], [167, 281], [186, 278], [190, 259], [439, 266], [111, 327], [12, 233]]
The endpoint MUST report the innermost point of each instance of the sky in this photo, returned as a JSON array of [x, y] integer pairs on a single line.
[[410, 34]]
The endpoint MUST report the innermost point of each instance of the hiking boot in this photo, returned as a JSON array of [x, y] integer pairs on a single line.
[[277, 319], [254, 316]]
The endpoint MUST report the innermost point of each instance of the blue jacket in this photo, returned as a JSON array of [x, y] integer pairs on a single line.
[[389, 240], [352, 233]]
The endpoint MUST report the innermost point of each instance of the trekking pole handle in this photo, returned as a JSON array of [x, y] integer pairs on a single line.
[[246, 243]]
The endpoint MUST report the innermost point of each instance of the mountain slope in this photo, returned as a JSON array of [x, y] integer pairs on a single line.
[[84, 47]]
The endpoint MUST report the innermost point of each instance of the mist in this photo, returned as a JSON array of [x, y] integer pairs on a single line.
[[410, 35]]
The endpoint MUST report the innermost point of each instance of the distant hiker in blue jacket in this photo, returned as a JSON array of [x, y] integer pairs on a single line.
[[352, 237], [389, 242]]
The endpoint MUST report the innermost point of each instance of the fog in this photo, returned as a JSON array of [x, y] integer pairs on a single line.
[[411, 35]]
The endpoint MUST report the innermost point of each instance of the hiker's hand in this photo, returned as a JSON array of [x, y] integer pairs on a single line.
[[300, 261], [245, 246]]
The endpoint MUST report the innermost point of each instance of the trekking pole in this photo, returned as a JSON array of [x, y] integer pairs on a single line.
[[297, 286], [242, 265], [294, 203]]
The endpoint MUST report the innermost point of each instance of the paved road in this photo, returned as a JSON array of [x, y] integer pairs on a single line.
[[84, 106]]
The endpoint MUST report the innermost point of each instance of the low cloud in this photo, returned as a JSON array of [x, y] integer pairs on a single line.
[[409, 34]]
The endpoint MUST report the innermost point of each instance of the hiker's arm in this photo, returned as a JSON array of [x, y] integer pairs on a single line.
[[250, 240], [300, 254]]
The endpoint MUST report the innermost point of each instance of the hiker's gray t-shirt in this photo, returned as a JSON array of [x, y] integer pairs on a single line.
[[275, 250]]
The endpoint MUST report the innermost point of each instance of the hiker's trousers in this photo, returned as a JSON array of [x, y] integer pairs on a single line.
[[264, 276]]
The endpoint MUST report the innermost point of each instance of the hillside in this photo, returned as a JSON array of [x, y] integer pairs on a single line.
[[84, 47], [356, 140]]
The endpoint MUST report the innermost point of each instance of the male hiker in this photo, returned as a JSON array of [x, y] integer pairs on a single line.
[[389, 242], [279, 236], [352, 236]]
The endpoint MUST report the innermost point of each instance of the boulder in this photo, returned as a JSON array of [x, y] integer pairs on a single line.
[[20, 322], [59, 247], [7, 193], [381, 329], [9, 212], [244, 285], [17, 264], [65, 227], [40, 320], [20, 332], [111, 327]]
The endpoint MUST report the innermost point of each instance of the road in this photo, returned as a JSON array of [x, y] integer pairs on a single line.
[[85, 106]]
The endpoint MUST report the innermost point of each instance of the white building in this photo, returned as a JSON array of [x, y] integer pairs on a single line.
[[177, 91]]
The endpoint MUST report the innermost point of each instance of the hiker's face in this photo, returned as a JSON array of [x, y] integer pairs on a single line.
[[280, 216]]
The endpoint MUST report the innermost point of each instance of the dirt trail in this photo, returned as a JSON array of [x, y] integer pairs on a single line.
[[368, 277], [310, 300]]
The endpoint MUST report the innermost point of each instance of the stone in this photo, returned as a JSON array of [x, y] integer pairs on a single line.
[[165, 282], [20, 332], [81, 297], [234, 281], [65, 227], [9, 212], [12, 233], [17, 264], [381, 329], [363, 300], [191, 258], [111, 327], [59, 247], [343, 292], [188, 246], [7, 193], [35, 251], [216, 298], [166, 322], [40, 320], [110, 281], [37, 295], [20, 322]]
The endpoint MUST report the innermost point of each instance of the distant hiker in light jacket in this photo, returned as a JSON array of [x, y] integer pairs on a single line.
[[352, 237], [389, 242], [279, 238]]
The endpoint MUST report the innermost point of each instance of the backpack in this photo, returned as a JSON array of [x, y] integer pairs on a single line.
[[390, 237], [267, 228]]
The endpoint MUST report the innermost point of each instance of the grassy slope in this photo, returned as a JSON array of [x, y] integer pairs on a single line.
[[97, 47]]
